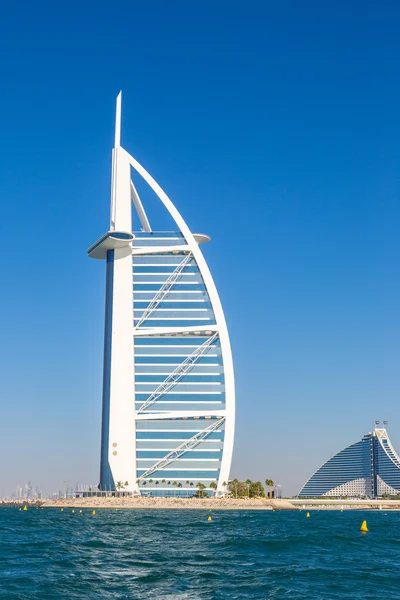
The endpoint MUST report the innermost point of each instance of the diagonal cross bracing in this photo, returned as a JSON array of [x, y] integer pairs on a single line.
[[185, 447], [165, 288], [182, 370]]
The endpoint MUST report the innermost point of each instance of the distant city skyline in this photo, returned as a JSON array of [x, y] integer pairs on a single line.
[[278, 120], [31, 491]]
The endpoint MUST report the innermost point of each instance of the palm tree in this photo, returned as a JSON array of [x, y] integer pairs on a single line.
[[258, 488], [201, 487], [213, 485], [269, 483], [157, 482], [174, 483], [119, 485], [248, 483], [235, 483]]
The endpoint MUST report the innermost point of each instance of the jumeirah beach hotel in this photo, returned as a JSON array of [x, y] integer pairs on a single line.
[[168, 383], [370, 467]]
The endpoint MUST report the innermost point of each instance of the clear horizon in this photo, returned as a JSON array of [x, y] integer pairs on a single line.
[[274, 129]]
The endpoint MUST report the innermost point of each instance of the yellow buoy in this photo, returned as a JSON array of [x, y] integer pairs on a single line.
[[93, 512], [61, 510], [20, 509], [364, 527], [209, 519], [80, 511], [25, 508], [308, 514], [72, 510]]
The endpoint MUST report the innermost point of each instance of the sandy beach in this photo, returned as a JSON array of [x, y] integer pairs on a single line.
[[219, 503], [175, 503]]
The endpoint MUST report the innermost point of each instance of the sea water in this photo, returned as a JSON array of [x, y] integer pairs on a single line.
[[179, 554]]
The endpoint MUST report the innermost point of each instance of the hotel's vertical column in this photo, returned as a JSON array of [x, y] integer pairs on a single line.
[[121, 442], [106, 479]]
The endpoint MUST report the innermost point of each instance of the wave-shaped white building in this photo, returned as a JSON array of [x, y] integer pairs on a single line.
[[369, 467], [168, 383]]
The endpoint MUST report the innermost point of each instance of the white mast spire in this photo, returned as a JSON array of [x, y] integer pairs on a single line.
[[117, 141], [117, 144]]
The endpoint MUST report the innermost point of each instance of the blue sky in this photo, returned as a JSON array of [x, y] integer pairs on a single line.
[[274, 127]]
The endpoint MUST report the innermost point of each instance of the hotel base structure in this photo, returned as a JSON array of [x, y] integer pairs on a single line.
[[370, 468], [168, 382]]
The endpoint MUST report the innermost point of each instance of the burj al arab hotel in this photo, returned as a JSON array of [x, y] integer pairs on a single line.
[[168, 384]]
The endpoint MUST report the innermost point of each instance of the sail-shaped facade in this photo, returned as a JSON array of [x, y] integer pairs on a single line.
[[168, 382], [370, 467]]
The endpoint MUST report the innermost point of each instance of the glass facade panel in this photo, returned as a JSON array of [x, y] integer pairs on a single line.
[[161, 376]]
